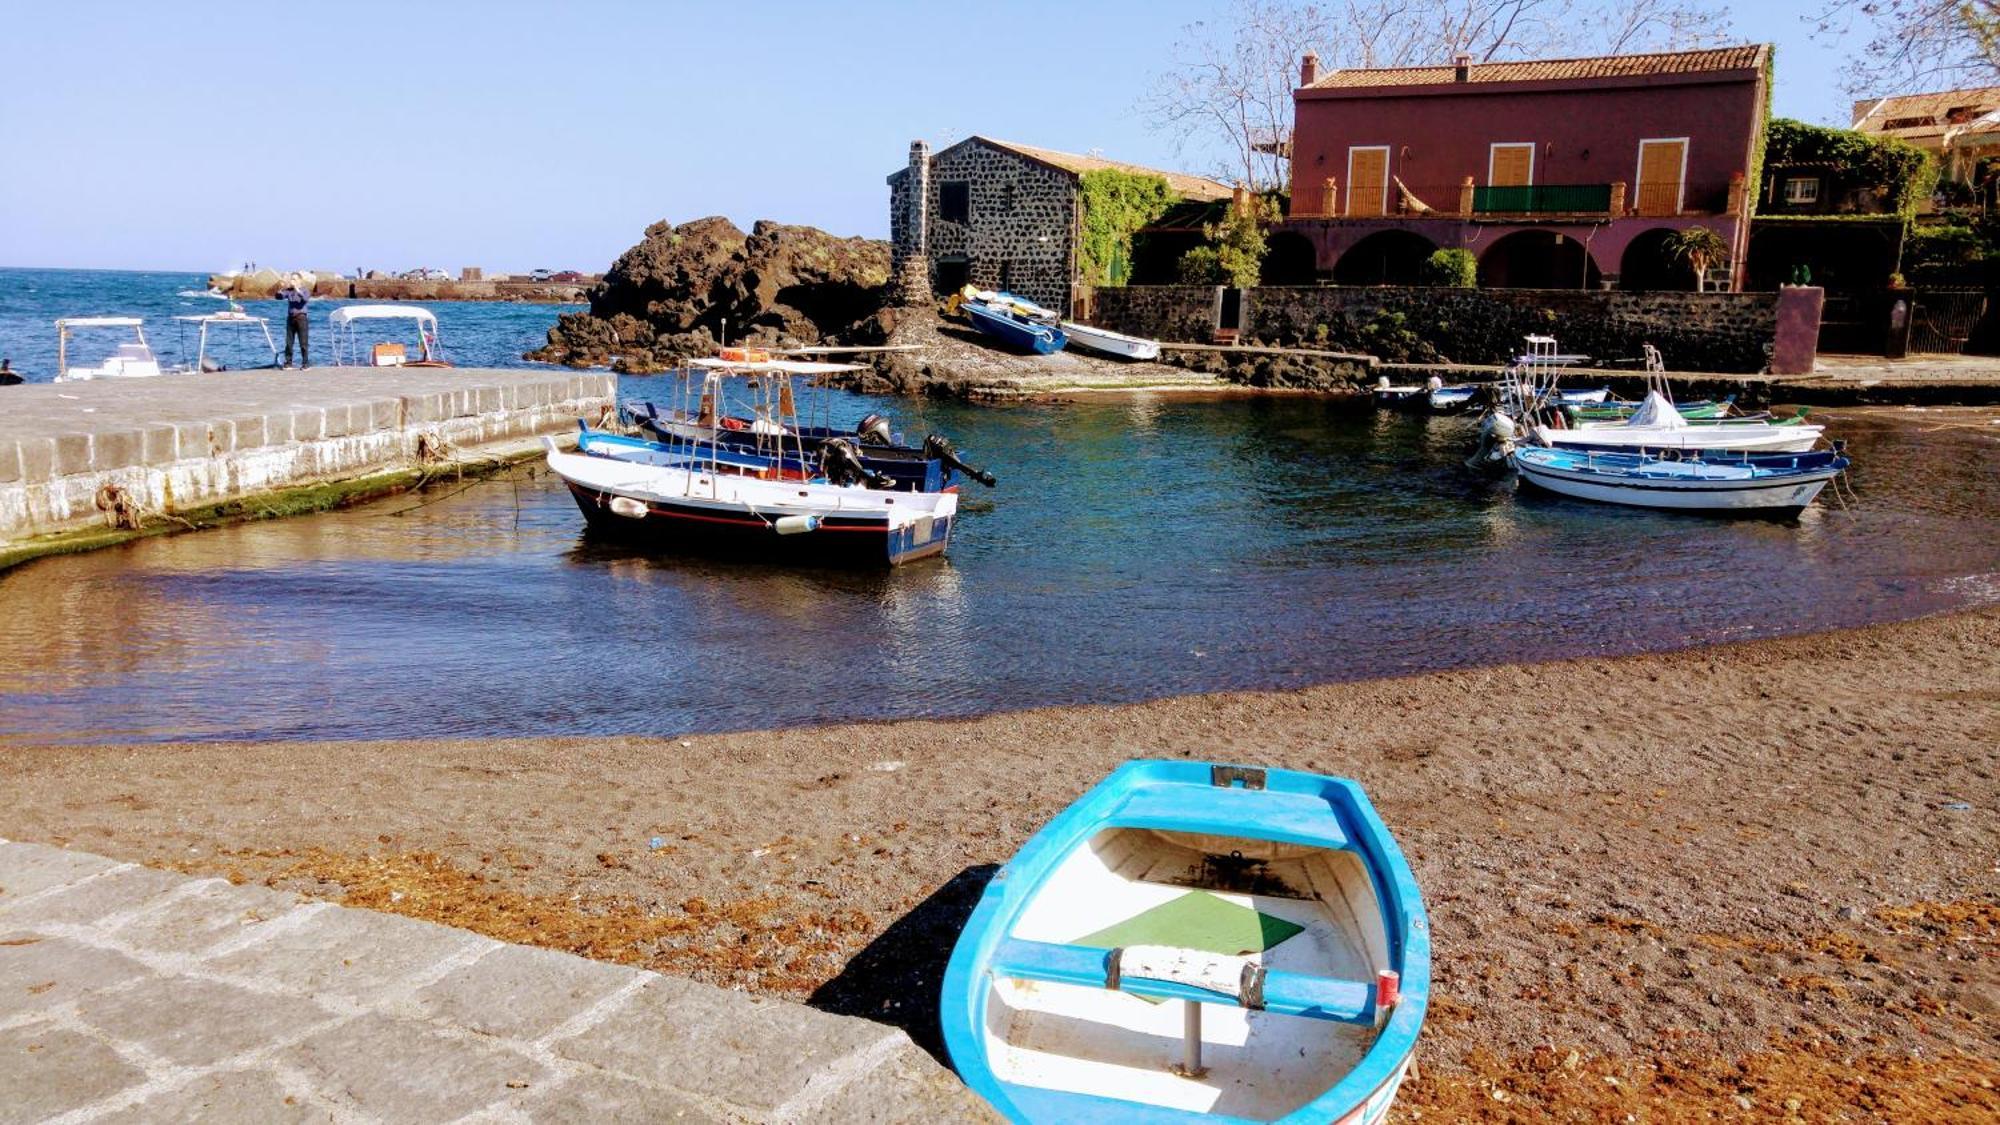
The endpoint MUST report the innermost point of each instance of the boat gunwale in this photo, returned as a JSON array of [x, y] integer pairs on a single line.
[[964, 994]]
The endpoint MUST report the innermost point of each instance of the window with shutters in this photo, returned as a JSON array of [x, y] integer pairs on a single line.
[[1368, 180], [1510, 164]]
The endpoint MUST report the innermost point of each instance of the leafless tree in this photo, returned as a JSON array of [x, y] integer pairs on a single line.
[[1228, 93], [1916, 44]]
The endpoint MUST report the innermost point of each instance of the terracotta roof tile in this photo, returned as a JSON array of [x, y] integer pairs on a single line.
[[1872, 115], [1182, 184], [1747, 56]]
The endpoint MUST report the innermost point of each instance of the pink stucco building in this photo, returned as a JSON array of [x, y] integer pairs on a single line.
[[1560, 173]]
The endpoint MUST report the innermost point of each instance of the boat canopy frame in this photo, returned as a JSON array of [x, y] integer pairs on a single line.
[[346, 348], [65, 323], [235, 317]]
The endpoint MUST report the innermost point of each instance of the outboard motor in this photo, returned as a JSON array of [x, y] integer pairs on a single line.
[[936, 448], [841, 462], [874, 430], [1496, 440]]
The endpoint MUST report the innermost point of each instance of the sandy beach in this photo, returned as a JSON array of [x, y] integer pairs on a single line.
[[1755, 880]]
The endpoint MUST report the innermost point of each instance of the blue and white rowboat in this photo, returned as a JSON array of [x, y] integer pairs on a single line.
[[1014, 331], [1764, 484], [1195, 942]]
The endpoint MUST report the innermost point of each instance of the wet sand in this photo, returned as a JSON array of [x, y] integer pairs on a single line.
[[1757, 880]]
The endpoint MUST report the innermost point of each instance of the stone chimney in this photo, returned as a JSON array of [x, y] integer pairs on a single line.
[[1239, 199], [1309, 69], [1461, 65], [909, 229]]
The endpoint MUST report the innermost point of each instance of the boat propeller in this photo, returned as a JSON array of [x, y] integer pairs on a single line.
[[841, 462], [937, 448]]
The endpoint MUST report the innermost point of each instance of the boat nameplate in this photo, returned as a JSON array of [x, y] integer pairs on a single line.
[[1226, 777]]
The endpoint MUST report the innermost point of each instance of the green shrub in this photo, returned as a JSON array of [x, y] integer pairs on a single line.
[[1901, 172], [1201, 266], [1452, 269]]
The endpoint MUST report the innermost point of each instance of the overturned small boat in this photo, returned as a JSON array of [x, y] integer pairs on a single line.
[[1740, 484], [1195, 942]]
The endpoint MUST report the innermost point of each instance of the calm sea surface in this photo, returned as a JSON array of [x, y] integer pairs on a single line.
[[1132, 550]]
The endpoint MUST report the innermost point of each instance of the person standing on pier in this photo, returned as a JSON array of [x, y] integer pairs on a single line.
[[8, 376], [296, 296]]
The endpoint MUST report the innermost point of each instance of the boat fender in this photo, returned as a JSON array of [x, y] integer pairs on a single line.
[[1382, 383], [1434, 384], [795, 525], [628, 507]]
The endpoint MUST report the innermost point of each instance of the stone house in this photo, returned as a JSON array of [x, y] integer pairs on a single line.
[[1555, 173], [1000, 216]]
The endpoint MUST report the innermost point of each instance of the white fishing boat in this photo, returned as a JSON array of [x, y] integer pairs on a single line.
[[1656, 425], [132, 359], [1740, 484], [1111, 343], [349, 349]]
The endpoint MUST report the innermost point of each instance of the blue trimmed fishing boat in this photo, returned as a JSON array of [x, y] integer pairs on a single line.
[[1195, 942], [1015, 330], [1772, 484]]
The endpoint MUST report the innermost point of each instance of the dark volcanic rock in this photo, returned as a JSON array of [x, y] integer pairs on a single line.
[[676, 293]]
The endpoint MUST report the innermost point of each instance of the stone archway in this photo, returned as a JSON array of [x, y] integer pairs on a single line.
[[1387, 257], [1537, 259], [1644, 265], [1289, 259]]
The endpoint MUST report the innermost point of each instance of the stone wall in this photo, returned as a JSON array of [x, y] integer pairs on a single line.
[[1020, 232], [1723, 332]]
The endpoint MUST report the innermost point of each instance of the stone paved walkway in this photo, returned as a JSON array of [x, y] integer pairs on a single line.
[[129, 994]]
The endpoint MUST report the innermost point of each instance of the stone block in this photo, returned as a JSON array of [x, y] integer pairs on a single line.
[[907, 1086], [38, 972], [400, 1071], [72, 454], [219, 438], [385, 414], [10, 462], [46, 1071], [340, 419], [299, 423], [487, 399], [521, 992], [118, 449], [160, 445], [752, 1053], [607, 1099], [225, 1097], [198, 1022], [198, 921], [90, 902], [356, 955], [38, 459], [28, 868], [249, 432]]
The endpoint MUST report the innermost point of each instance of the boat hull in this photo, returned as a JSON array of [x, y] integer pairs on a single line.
[[1038, 339], [1114, 344], [698, 530], [1778, 494], [1746, 438]]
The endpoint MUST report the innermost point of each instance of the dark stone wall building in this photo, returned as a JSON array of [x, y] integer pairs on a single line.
[[999, 216]]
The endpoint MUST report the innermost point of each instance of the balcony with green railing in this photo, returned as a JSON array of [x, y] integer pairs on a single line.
[[1542, 199]]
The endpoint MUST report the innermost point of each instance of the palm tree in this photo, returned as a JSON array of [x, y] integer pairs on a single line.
[[1698, 248]]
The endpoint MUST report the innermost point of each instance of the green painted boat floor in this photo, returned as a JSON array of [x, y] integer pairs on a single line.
[[1197, 920]]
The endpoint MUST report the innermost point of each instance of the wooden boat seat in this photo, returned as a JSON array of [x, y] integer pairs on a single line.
[[1294, 818], [1289, 994]]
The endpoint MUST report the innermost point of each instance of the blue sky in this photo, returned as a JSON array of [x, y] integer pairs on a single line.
[[510, 134]]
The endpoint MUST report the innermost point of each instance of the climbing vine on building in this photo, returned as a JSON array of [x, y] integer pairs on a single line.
[[1904, 174], [1116, 205]]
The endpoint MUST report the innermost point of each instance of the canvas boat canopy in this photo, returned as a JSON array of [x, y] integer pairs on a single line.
[[776, 366], [100, 322], [342, 317], [1657, 413], [223, 318]]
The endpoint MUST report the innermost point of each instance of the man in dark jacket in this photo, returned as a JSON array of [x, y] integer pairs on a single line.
[[295, 298]]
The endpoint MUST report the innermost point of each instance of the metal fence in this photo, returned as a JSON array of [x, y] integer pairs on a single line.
[[1943, 321], [1542, 199]]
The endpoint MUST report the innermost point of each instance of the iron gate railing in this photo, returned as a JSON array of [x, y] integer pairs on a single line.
[[1942, 321], [1542, 199]]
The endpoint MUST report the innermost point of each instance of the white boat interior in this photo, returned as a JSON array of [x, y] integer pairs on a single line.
[[132, 359], [694, 480], [1319, 916], [348, 348]]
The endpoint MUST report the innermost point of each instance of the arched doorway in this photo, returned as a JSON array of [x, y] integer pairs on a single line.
[[1289, 259], [1537, 259], [1387, 257], [1645, 266]]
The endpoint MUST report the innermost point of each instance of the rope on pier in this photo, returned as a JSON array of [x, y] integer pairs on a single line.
[[123, 510]]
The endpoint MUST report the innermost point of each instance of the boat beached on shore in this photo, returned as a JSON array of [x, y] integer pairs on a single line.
[[1195, 942]]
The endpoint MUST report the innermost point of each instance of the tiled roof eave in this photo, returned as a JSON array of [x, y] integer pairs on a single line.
[[1528, 86]]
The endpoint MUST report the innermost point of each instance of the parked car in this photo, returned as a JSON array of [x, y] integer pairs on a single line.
[[570, 276], [540, 275]]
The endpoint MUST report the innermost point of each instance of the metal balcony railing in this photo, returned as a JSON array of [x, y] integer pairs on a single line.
[[1542, 199]]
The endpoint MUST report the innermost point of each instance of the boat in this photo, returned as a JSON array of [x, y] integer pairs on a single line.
[[931, 467], [1657, 426], [1005, 301], [233, 318], [1453, 399], [1742, 484], [132, 359], [349, 350], [1616, 411], [1402, 396], [826, 508], [1195, 942], [1014, 329], [1110, 343]]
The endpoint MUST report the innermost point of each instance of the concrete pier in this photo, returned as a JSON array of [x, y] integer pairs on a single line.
[[130, 994], [77, 458]]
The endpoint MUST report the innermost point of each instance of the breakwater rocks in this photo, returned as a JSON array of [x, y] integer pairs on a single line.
[[264, 285], [683, 288]]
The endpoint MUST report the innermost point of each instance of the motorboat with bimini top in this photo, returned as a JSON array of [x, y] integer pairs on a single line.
[[930, 467], [132, 359], [350, 351], [1195, 942], [1721, 484], [237, 323], [707, 496], [1657, 426]]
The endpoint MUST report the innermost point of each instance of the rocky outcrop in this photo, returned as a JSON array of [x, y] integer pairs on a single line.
[[682, 288]]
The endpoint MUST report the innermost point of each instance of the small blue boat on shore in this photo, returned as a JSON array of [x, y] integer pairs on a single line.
[[1195, 942], [1014, 330]]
